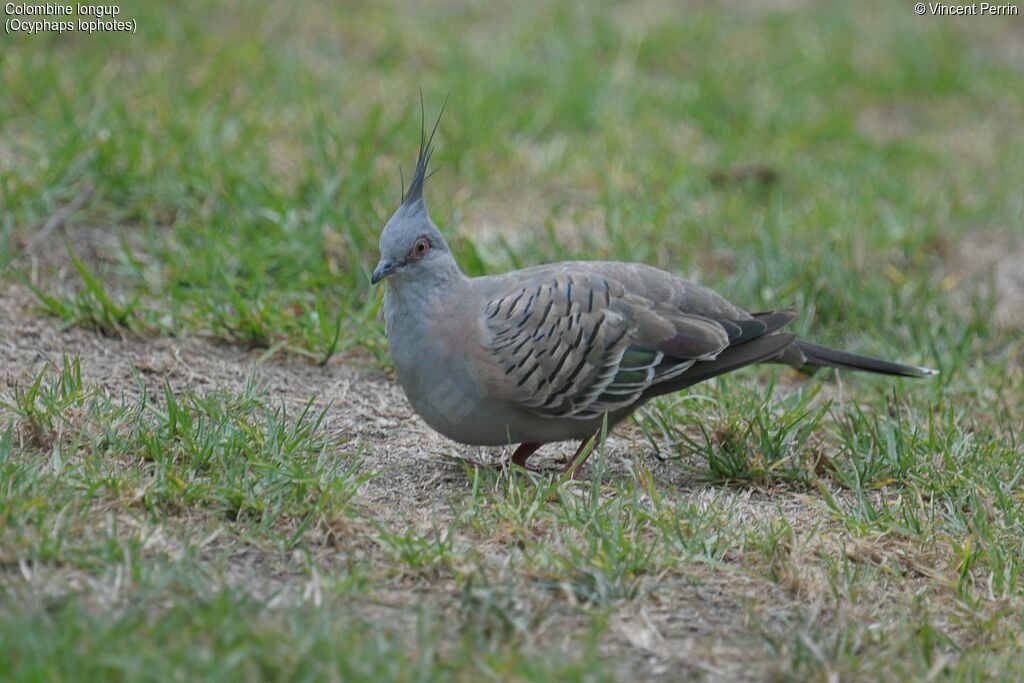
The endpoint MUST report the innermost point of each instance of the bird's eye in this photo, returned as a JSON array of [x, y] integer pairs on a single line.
[[420, 247]]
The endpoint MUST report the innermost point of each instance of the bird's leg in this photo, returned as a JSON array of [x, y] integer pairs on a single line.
[[574, 467], [477, 464], [519, 457], [523, 453]]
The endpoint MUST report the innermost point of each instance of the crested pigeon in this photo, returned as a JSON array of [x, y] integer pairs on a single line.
[[547, 353]]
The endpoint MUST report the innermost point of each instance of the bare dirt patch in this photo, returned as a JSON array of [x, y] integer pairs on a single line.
[[705, 624], [996, 260]]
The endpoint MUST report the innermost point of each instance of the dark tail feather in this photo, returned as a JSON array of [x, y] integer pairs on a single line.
[[757, 351], [819, 356]]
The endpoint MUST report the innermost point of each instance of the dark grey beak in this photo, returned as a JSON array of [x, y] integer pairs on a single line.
[[383, 269]]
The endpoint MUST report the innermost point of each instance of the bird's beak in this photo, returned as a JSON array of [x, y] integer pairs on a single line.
[[383, 269]]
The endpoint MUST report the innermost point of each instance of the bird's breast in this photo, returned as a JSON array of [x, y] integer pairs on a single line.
[[435, 346], [433, 372]]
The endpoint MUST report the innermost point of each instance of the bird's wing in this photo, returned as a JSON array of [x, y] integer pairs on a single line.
[[577, 342]]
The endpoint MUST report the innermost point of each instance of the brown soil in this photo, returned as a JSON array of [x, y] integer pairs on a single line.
[[995, 260], [705, 624]]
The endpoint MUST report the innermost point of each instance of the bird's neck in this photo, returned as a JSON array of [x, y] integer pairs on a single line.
[[444, 280]]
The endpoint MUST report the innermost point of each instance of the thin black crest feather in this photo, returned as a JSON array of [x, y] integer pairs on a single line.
[[415, 191]]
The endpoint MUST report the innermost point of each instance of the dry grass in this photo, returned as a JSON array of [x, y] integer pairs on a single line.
[[769, 588], [208, 472]]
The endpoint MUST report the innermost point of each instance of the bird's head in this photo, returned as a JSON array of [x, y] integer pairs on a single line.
[[411, 246]]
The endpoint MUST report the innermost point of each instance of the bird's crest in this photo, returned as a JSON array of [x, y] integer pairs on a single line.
[[419, 177]]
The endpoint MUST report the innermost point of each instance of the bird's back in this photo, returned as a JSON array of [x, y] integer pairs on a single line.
[[660, 288]]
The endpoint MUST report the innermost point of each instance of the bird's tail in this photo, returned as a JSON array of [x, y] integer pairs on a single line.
[[818, 356]]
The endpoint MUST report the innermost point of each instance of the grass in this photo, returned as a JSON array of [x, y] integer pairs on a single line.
[[231, 636], [228, 169]]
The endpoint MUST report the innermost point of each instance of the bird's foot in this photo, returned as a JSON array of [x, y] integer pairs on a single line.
[[479, 464], [525, 450], [580, 457], [500, 466], [508, 465]]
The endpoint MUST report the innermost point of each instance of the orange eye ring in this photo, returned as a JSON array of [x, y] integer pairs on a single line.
[[419, 248]]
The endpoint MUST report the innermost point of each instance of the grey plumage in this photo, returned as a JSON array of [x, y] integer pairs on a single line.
[[543, 354]]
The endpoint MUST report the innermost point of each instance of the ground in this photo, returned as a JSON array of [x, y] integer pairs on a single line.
[[208, 471]]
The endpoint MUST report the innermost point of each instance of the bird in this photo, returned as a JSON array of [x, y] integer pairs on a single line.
[[560, 351]]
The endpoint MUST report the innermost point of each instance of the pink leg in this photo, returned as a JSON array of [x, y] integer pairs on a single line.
[[519, 457], [524, 451], [573, 467]]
